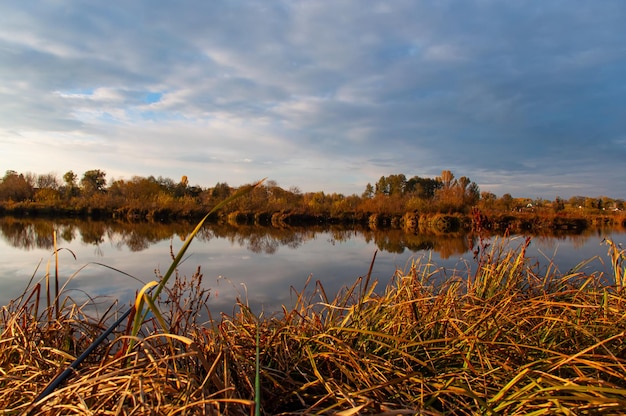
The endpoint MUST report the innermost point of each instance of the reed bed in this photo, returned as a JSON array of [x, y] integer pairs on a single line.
[[507, 338]]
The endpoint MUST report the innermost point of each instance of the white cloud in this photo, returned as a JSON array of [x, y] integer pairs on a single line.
[[316, 94]]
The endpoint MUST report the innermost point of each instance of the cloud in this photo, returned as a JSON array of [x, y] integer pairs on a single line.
[[323, 95]]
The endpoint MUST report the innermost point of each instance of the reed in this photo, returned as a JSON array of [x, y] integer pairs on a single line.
[[507, 338], [617, 254]]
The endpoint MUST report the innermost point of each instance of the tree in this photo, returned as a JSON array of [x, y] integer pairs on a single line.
[[194, 191], [382, 187], [316, 202], [487, 199], [576, 201], [505, 202], [166, 184], [70, 179], [180, 189], [472, 194], [456, 194], [558, 204], [423, 188], [391, 185], [446, 179], [369, 191], [47, 195], [138, 188], [93, 181], [70, 188], [47, 181], [221, 191], [14, 187], [464, 182], [488, 196], [397, 184]]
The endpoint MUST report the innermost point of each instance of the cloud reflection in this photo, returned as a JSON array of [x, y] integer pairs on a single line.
[[251, 263]]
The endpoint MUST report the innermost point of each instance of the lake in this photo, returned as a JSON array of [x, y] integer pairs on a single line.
[[257, 264]]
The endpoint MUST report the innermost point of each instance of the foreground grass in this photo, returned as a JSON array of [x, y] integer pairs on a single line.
[[510, 338]]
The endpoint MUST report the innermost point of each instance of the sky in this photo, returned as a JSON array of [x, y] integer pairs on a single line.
[[522, 97]]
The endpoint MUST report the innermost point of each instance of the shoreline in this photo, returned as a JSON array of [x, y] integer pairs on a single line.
[[415, 222]]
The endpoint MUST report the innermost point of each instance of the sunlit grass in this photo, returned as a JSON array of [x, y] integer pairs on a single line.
[[508, 338]]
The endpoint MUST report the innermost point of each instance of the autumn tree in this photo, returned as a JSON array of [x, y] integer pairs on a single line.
[[15, 187], [46, 188], [70, 178], [487, 200], [423, 188], [138, 188], [181, 188], [278, 197], [382, 187], [397, 184], [317, 202], [456, 194], [391, 185], [70, 188], [558, 205], [93, 182], [446, 179], [369, 191], [505, 202], [221, 191], [166, 184], [468, 190], [47, 181], [576, 201]]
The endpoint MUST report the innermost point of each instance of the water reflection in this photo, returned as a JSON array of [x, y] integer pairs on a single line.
[[28, 234], [262, 261]]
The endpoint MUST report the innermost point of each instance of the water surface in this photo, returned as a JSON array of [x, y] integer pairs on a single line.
[[258, 265]]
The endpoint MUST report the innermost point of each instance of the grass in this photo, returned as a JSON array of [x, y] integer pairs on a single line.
[[508, 338]]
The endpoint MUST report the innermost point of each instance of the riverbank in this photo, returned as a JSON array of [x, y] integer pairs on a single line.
[[508, 339], [498, 222]]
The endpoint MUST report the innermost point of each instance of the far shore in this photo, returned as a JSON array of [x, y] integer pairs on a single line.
[[516, 221]]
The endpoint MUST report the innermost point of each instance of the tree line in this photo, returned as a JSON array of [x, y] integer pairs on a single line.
[[152, 197]]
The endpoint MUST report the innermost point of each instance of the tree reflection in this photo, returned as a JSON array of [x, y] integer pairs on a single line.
[[67, 233], [257, 239], [29, 233], [18, 234], [397, 241], [92, 232], [43, 234]]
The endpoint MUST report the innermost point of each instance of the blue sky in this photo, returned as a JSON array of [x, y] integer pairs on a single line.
[[524, 97]]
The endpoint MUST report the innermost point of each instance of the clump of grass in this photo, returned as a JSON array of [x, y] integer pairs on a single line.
[[505, 339], [617, 254]]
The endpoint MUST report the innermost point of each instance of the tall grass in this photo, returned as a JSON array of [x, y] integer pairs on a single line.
[[508, 338], [617, 254]]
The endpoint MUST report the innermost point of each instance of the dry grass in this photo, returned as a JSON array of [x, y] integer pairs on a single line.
[[506, 339]]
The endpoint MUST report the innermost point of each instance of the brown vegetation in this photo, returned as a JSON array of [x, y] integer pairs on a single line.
[[507, 339], [442, 204]]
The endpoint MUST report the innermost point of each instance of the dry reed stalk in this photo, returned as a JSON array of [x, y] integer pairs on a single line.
[[509, 340]]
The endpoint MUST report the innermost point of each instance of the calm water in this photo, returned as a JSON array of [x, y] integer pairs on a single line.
[[254, 263]]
